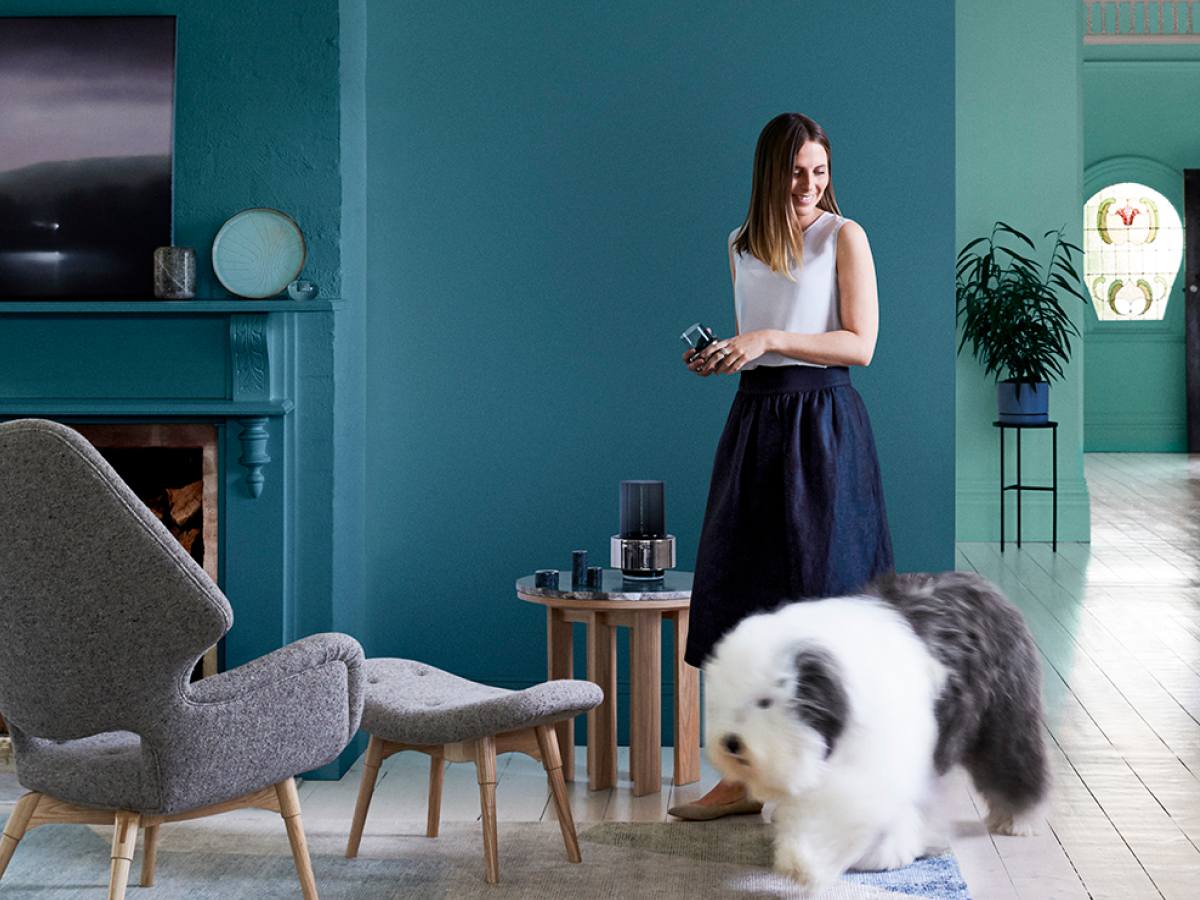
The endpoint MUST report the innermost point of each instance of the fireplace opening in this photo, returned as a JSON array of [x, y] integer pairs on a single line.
[[170, 481]]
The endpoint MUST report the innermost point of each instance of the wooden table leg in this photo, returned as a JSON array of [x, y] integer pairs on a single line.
[[645, 702], [602, 721], [687, 706], [560, 663]]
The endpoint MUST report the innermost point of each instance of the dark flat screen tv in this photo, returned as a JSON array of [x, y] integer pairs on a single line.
[[87, 115]]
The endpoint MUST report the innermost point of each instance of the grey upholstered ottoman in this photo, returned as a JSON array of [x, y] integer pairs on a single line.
[[412, 706]]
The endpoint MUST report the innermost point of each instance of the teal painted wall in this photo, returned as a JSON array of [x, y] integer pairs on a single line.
[[349, 433], [550, 191], [1135, 395], [524, 205], [269, 112], [1019, 150]]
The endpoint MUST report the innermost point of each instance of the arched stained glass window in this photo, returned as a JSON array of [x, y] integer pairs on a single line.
[[1132, 249]]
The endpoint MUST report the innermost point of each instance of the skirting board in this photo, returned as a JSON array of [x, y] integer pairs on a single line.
[[1134, 434], [977, 513]]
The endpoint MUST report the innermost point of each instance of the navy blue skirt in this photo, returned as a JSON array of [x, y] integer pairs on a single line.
[[795, 509]]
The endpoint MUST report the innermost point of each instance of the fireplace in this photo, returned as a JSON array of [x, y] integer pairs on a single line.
[[238, 385]]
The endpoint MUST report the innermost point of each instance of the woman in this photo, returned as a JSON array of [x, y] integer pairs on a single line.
[[795, 510]]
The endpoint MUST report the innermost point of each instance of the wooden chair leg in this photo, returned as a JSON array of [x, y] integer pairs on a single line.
[[289, 807], [485, 768], [124, 838], [366, 789], [149, 854], [14, 829], [551, 760], [433, 818]]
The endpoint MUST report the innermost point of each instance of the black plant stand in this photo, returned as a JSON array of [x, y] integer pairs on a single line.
[[1020, 487]]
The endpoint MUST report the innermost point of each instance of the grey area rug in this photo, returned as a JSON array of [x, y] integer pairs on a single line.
[[247, 858]]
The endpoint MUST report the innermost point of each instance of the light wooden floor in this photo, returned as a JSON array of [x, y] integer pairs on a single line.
[[1118, 625]]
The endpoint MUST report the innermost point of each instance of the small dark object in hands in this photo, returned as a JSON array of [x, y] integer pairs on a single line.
[[697, 337]]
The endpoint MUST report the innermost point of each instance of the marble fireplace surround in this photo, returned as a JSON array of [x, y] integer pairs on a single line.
[[243, 366]]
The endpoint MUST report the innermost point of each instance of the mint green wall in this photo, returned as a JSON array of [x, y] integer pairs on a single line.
[[1020, 159], [550, 191], [1135, 396]]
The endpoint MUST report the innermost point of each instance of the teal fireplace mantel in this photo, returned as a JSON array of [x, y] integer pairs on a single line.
[[254, 394], [227, 306]]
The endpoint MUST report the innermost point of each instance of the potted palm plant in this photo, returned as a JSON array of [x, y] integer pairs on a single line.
[[1009, 311]]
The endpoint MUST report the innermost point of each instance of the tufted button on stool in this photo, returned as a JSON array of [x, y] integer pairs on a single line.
[[412, 706]]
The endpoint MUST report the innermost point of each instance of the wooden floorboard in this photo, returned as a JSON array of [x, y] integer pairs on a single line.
[[1117, 622]]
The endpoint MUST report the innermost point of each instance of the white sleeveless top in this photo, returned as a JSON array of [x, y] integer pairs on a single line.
[[808, 305]]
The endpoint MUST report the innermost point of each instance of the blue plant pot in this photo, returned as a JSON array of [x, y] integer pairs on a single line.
[[1023, 404]]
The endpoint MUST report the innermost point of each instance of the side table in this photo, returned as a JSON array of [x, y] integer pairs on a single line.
[[1019, 486], [641, 607]]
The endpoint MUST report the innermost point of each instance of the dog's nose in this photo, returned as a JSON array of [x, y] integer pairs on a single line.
[[732, 744]]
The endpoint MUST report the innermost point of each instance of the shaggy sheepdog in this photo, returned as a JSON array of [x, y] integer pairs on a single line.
[[845, 711]]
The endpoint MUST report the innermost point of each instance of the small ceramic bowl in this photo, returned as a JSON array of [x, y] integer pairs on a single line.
[[302, 290]]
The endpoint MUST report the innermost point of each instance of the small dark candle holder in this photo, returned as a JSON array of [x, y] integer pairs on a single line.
[[546, 578], [595, 577], [579, 568]]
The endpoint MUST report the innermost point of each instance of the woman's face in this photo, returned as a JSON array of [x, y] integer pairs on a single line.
[[810, 177]]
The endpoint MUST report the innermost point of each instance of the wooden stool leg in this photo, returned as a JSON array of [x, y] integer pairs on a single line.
[[485, 768], [124, 838], [437, 771], [289, 808], [366, 789], [149, 854], [558, 787], [14, 829]]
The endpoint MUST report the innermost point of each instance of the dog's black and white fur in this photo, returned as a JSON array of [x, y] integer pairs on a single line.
[[845, 711]]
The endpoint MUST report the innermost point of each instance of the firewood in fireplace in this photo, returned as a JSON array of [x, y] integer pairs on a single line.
[[187, 538], [183, 503]]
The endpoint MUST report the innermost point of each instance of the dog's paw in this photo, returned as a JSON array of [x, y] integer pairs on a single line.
[[1020, 824], [896, 849], [798, 868], [813, 876], [891, 853]]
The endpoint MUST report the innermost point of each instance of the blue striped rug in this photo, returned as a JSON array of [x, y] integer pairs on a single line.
[[743, 848]]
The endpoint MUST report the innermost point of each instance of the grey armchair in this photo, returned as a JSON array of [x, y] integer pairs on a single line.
[[100, 629]]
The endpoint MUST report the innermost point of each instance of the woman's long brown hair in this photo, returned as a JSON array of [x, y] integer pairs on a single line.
[[771, 231]]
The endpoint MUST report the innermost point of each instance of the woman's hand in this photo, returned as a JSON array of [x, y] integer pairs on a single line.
[[699, 362], [728, 357], [703, 362]]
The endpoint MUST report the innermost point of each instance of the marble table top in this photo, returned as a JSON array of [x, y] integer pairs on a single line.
[[674, 585]]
